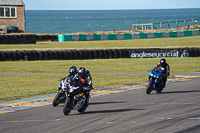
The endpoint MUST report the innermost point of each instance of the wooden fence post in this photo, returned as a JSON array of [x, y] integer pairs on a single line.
[[184, 23], [160, 25], [192, 22], [168, 25]]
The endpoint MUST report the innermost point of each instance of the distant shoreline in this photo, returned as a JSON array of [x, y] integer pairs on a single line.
[[71, 21], [109, 9]]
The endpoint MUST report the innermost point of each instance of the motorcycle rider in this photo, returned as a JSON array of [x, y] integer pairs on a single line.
[[88, 85], [165, 68], [72, 73]]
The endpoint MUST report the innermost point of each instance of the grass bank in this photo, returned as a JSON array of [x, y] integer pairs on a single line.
[[192, 41], [24, 86]]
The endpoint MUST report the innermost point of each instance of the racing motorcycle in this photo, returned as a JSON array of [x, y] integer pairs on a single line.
[[60, 96], [76, 99], [156, 81]]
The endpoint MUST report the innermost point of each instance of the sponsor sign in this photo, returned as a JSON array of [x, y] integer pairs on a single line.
[[159, 53]]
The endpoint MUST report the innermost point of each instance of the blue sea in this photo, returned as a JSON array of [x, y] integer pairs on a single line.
[[70, 21]]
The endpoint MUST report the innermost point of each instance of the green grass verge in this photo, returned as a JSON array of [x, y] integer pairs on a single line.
[[24, 86], [192, 41], [100, 65]]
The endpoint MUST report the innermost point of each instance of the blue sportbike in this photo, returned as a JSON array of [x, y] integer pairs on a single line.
[[76, 99], [156, 81]]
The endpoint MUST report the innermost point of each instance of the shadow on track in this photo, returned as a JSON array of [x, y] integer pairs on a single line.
[[106, 111], [111, 111], [170, 92], [97, 103]]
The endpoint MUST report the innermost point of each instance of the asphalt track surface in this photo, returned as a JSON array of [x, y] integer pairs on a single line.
[[176, 110]]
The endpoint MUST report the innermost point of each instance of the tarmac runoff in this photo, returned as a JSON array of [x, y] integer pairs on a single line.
[[18, 105]]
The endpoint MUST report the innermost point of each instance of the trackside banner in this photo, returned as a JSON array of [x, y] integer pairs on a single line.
[[158, 53]]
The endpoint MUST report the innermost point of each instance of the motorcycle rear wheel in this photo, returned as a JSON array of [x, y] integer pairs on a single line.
[[82, 110], [160, 89], [149, 87], [67, 106]]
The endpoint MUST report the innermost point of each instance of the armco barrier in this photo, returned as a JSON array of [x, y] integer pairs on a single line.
[[136, 35], [150, 35], [195, 32], [82, 37], [98, 54], [125, 36], [180, 33], [165, 34], [173, 34], [97, 36], [112, 36], [143, 35], [120, 37], [158, 34], [89, 37], [187, 33]]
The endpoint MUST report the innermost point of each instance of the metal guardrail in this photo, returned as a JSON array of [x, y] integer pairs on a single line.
[[152, 25]]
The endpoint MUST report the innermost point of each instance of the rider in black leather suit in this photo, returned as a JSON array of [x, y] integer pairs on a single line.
[[165, 68], [72, 73], [88, 85]]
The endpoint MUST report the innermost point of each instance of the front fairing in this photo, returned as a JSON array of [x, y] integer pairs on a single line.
[[156, 77], [155, 74], [63, 83], [74, 87]]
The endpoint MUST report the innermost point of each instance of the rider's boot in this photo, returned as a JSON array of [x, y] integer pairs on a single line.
[[87, 94]]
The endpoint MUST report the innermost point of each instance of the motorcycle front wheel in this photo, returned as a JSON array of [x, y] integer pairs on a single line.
[[149, 87], [67, 106], [56, 100]]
